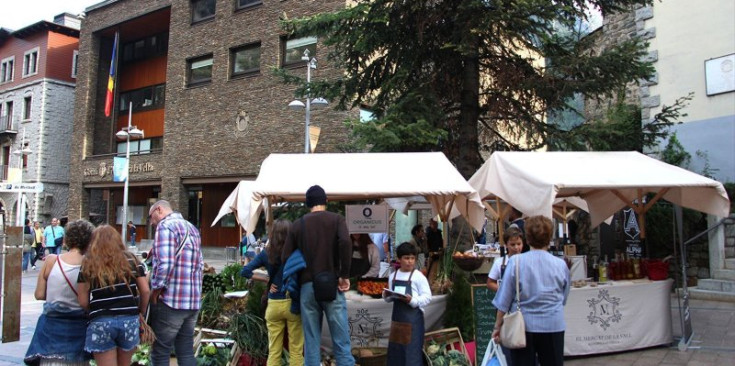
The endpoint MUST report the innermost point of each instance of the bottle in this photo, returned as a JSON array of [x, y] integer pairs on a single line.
[[637, 268], [595, 270], [603, 270], [629, 268]]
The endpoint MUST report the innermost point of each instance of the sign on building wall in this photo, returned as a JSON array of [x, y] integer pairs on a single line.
[[367, 218], [21, 187]]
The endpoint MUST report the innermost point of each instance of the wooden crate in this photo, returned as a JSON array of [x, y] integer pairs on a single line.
[[451, 337]]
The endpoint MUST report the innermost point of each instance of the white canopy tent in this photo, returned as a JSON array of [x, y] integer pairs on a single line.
[[606, 181], [380, 176], [238, 202]]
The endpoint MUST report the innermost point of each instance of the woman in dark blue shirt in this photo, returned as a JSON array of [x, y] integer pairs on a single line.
[[278, 314]]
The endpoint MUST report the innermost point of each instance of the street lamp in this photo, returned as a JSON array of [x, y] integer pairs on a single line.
[[127, 133], [23, 152], [316, 102]]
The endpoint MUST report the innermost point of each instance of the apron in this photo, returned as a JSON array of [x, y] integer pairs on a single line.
[[406, 340]]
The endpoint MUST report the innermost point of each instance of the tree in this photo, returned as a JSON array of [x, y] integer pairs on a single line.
[[439, 74]]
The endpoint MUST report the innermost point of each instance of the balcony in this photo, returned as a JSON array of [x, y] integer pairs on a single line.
[[7, 126]]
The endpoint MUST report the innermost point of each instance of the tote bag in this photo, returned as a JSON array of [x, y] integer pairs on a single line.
[[513, 331]]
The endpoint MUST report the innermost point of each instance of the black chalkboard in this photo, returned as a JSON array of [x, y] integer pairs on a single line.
[[484, 317]]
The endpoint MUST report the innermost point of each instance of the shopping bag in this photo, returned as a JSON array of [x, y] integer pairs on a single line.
[[493, 355]]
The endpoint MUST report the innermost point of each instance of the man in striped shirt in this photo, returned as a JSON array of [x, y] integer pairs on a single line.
[[176, 285]]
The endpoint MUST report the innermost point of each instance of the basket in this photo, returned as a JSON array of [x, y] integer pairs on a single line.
[[450, 337], [370, 356], [377, 283], [469, 264]]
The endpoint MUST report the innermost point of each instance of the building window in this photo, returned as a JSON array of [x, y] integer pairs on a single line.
[[7, 117], [27, 104], [202, 10], [152, 97], [366, 115], [74, 64], [30, 62], [200, 70], [140, 147], [294, 50], [245, 60], [142, 49], [6, 69], [242, 4]]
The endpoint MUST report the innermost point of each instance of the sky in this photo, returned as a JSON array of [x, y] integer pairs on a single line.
[[17, 14]]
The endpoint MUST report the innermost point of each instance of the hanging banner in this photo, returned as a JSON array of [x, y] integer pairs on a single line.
[[313, 137], [119, 169], [367, 218]]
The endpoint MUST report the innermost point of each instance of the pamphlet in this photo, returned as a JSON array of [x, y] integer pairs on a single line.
[[392, 295]]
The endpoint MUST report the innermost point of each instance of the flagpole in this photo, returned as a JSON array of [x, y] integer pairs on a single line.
[[127, 176]]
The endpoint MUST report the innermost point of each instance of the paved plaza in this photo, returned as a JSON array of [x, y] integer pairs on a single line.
[[713, 342]]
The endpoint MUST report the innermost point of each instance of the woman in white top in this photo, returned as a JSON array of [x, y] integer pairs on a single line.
[[59, 335], [513, 239]]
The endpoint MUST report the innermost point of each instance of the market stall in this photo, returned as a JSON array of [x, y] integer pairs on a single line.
[[607, 182]]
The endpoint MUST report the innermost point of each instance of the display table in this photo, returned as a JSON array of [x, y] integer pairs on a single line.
[[623, 316], [369, 320]]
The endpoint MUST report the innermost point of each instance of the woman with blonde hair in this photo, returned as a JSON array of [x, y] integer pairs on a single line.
[[114, 289]]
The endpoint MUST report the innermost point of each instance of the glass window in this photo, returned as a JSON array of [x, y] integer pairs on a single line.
[[6, 69], [151, 97], [202, 10], [30, 62], [241, 4], [245, 60], [200, 70], [294, 50], [140, 147], [366, 115], [27, 104], [74, 63]]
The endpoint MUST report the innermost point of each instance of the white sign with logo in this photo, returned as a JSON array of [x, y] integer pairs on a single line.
[[367, 218], [21, 187]]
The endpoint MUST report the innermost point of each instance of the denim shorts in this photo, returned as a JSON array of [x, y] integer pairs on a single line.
[[108, 332]]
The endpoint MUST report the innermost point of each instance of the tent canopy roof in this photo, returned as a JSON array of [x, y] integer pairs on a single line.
[[286, 177], [531, 181]]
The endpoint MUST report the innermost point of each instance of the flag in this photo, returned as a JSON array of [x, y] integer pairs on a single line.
[[111, 80]]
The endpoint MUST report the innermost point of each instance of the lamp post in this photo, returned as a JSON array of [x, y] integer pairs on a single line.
[[23, 152], [316, 102], [127, 133]]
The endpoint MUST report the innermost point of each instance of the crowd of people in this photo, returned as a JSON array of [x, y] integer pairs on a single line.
[[97, 293]]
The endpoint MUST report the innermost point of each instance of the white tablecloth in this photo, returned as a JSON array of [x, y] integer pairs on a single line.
[[620, 317], [369, 320]]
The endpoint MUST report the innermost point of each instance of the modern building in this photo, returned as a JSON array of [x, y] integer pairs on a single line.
[[38, 70], [693, 50], [198, 74]]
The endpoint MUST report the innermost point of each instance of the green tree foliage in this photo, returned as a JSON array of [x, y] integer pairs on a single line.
[[439, 74]]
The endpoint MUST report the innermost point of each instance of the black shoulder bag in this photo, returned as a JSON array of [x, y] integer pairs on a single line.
[[325, 282]]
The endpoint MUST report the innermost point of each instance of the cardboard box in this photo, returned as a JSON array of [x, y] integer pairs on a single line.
[[570, 249]]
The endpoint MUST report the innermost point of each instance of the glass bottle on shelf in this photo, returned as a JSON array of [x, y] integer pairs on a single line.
[[603, 270]]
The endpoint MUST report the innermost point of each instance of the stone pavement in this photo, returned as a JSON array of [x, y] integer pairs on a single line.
[[713, 342]]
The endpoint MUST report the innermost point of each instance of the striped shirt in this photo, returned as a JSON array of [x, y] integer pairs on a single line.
[[119, 299], [180, 276], [544, 284]]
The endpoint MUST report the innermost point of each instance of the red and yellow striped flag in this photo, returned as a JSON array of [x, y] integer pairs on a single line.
[[111, 80]]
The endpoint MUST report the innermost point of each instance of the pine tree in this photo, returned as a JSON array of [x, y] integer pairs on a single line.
[[461, 76]]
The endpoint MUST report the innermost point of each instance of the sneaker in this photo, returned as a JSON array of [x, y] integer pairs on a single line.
[[33, 268]]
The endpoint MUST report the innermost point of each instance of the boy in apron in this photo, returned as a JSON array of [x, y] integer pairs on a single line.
[[409, 291]]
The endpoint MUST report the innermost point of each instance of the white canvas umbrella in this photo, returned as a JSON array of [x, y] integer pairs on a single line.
[[238, 202]]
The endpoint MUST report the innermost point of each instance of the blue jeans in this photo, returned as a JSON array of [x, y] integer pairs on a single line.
[[311, 319], [26, 259], [111, 332], [174, 329], [54, 250]]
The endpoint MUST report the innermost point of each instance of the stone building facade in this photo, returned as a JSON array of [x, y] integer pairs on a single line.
[[36, 113], [204, 137]]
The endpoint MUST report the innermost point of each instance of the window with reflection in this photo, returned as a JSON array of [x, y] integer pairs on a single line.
[[245, 60], [200, 70], [293, 50], [202, 10], [242, 4], [152, 97]]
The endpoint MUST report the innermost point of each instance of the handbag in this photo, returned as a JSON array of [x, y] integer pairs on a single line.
[[493, 355], [513, 331], [325, 282], [58, 242]]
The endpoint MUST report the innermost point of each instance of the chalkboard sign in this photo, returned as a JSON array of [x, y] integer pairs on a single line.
[[484, 316]]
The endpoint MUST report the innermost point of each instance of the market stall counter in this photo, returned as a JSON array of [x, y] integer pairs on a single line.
[[618, 316], [369, 319]]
